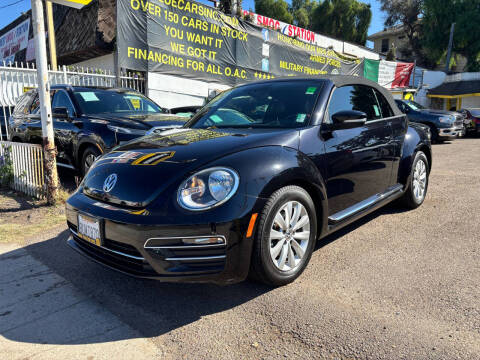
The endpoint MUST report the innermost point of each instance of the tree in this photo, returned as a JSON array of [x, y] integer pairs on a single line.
[[438, 18], [407, 14], [302, 11], [275, 9], [347, 20], [227, 6]]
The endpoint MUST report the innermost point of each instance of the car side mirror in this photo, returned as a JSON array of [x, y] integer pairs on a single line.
[[347, 119], [406, 109], [60, 112]]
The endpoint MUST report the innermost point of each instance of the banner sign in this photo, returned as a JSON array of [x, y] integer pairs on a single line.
[[13, 41], [389, 74], [284, 28], [30, 55], [181, 37]]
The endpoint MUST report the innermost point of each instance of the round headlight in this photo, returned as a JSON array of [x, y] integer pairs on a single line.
[[208, 188]]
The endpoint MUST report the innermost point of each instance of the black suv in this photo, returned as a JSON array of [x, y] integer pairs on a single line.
[[89, 121], [444, 125]]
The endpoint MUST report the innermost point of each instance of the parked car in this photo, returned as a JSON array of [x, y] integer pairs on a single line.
[[252, 181], [89, 121], [444, 125], [472, 117]]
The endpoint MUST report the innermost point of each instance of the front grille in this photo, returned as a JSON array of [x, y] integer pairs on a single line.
[[112, 245], [175, 260], [191, 259], [120, 258], [121, 247], [459, 120]]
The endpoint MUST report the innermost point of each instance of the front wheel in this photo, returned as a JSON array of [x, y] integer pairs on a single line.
[[418, 185], [285, 237], [89, 156]]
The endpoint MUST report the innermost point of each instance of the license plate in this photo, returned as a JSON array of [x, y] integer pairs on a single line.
[[89, 229]]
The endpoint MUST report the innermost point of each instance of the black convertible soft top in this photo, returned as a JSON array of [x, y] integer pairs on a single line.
[[342, 80]]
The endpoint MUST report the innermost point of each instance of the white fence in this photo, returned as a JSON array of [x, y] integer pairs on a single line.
[[15, 79], [25, 162]]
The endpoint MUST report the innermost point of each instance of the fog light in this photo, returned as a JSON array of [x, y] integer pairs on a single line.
[[204, 240]]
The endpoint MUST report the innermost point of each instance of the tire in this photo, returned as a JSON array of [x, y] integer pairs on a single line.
[[264, 267], [87, 155], [410, 198]]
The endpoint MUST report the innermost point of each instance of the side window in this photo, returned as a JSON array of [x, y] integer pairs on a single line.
[[35, 105], [384, 45], [61, 99], [355, 97], [384, 105], [21, 106]]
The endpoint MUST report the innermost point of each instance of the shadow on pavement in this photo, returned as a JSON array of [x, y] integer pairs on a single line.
[[151, 307]]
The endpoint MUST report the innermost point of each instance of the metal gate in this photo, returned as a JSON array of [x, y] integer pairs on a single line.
[[15, 79], [22, 165]]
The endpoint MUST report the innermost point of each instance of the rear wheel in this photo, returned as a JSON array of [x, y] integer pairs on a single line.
[[285, 237], [418, 185], [89, 156]]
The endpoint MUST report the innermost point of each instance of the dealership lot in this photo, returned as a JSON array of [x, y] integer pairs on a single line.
[[395, 285]]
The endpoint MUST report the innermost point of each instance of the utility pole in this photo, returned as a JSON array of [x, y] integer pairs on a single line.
[[49, 150], [116, 56], [449, 53], [51, 35]]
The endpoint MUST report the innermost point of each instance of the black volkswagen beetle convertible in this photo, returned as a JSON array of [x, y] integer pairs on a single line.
[[250, 183]]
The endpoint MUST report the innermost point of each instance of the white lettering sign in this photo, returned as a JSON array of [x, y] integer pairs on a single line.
[[14, 40]]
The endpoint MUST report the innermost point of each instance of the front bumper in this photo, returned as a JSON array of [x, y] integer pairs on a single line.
[[158, 251], [450, 133]]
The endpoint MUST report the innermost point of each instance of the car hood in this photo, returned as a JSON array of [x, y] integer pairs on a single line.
[[141, 121], [149, 165]]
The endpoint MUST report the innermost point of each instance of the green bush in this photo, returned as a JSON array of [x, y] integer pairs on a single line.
[[6, 167]]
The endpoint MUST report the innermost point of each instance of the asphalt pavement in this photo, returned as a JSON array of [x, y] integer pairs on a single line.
[[395, 285]]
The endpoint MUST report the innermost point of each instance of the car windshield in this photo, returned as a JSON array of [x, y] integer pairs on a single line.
[[96, 101], [287, 104], [413, 105]]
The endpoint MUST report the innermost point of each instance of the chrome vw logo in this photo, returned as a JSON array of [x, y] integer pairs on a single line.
[[109, 182]]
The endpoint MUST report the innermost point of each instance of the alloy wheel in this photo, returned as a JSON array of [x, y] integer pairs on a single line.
[[289, 236], [89, 160], [419, 180]]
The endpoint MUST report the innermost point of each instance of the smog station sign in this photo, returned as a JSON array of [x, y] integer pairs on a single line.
[[185, 38]]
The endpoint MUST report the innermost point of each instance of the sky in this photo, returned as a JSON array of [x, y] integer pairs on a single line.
[[10, 13]]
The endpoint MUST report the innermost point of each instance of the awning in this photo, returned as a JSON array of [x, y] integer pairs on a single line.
[[456, 89]]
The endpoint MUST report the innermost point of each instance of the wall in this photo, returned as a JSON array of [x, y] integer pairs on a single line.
[[104, 62], [173, 91], [471, 102], [431, 79], [377, 44]]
